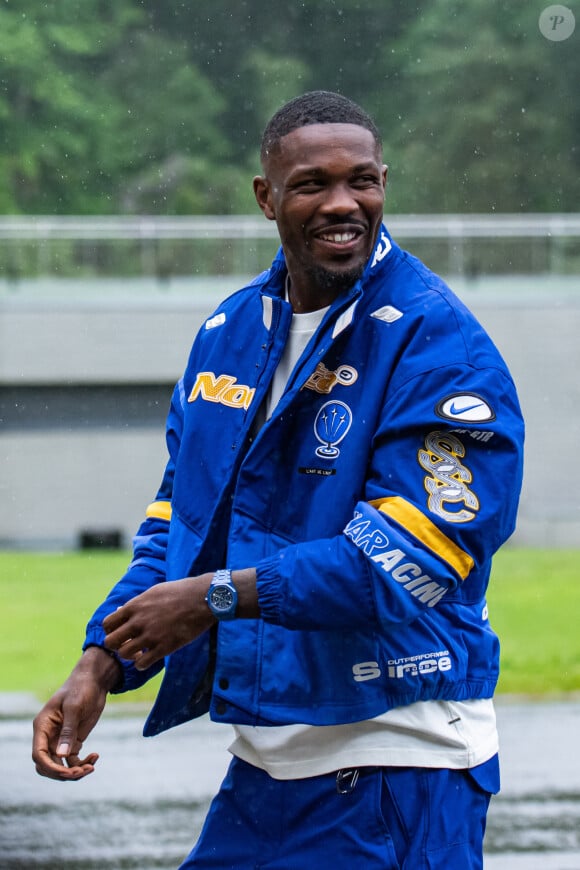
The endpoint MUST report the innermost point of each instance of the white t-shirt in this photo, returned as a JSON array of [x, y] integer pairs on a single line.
[[452, 734], [302, 329]]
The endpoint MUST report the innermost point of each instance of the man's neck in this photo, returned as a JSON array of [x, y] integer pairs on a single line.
[[306, 299]]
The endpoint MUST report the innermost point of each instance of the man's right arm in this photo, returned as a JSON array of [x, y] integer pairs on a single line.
[[66, 720]]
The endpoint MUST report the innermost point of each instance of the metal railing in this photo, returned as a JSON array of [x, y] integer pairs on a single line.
[[75, 246], [432, 226]]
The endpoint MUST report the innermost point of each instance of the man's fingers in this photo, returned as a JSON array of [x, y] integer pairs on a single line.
[[133, 648], [53, 739], [115, 619], [115, 639], [67, 739], [147, 657], [64, 770], [74, 760], [127, 647], [63, 773]]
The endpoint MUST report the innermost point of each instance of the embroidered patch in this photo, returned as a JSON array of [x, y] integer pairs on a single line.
[[223, 389], [330, 426], [215, 321], [322, 380], [388, 314], [466, 407], [382, 249], [447, 479]]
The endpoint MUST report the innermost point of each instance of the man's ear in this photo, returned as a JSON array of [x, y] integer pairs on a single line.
[[262, 192]]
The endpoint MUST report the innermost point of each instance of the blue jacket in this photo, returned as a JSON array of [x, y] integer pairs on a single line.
[[371, 503]]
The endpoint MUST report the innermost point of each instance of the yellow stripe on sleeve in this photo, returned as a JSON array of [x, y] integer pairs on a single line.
[[411, 518], [159, 509]]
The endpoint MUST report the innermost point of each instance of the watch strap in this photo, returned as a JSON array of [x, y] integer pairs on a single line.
[[222, 575]]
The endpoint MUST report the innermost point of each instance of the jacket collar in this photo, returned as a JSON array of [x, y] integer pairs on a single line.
[[344, 306], [276, 276]]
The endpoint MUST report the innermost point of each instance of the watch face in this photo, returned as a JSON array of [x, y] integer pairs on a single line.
[[222, 598]]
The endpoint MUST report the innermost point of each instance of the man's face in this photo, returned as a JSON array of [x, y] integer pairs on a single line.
[[325, 186]]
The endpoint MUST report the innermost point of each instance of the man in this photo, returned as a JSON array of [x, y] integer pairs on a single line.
[[345, 457]]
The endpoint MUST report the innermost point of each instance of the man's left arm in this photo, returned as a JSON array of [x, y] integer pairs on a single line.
[[440, 498]]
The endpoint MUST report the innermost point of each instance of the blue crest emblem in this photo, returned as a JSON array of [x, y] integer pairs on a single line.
[[331, 425]]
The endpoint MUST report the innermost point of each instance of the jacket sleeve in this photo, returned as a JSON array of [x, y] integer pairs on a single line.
[[147, 566], [440, 497]]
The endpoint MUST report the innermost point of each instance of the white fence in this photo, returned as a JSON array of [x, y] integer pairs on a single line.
[[432, 226], [467, 244]]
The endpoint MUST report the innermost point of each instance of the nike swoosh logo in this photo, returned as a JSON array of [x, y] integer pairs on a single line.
[[455, 411]]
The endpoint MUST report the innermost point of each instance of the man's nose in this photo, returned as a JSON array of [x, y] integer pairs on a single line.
[[339, 199]]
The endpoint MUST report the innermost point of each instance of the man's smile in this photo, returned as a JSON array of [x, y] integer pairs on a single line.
[[337, 237], [340, 236]]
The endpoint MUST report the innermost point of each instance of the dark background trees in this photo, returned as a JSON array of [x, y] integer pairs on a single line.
[[138, 106]]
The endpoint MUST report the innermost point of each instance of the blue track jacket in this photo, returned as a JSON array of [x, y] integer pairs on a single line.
[[371, 503]]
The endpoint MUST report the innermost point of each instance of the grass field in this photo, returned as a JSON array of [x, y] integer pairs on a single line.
[[46, 600]]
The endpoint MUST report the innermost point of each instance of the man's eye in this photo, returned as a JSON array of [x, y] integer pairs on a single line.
[[309, 184], [364, 180]]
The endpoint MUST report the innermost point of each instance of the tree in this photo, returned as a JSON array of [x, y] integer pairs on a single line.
[[50, 107], [163, 148], [490, 114], [136, 105], [91, 103], [257, 60]]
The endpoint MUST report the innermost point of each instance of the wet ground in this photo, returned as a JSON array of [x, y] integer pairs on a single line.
[[144, 805]]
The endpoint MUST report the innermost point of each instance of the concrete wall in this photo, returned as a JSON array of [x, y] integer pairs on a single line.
[[540, 340], [85, 382]]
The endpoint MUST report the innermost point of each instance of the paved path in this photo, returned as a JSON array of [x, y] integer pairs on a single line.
[[145, 802]]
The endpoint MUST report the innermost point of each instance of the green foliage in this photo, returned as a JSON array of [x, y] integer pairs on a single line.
[[93, 106], [53, 112], [141, 106], [46, 600], [164, 129], [491, 121]]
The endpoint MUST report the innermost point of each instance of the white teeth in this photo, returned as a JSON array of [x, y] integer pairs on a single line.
[[337, 237]]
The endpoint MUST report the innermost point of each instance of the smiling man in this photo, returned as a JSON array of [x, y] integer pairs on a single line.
[[324, 185], [345, 456]]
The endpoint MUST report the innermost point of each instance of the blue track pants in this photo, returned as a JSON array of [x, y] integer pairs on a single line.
[[390, 818]]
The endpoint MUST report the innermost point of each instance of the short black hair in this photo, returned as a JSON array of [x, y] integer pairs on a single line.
[[315, 107]]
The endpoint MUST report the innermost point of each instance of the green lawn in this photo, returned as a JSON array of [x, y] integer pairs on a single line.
[[46, 600], [534, 606]]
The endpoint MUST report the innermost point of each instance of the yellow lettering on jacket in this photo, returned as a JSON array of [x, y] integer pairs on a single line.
[[222, 389]]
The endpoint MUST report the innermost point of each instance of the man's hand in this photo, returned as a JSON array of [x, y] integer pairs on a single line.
[[160, 620], [67, 719]]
